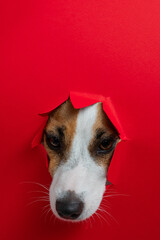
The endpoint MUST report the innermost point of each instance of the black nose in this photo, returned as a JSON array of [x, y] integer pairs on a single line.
[[69, 207]]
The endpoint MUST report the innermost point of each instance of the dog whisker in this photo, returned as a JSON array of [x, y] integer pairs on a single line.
[[111, 191], [39, 184], [115, 195], [92, 217], [45, 210], [47, 214], [48, 205], [90, 222], [99, 217], [51, 217], [84, 222], [103, 218], [110, 215], [105, 204], [39, 200], [39, 192]]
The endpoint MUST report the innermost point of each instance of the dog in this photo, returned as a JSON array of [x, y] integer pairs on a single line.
[[80, 144]]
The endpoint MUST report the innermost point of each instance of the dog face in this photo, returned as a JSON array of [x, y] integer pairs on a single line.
[[79, 144]]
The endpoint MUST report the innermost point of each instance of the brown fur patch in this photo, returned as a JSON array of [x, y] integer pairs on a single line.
[[62, 121], [104, 127]]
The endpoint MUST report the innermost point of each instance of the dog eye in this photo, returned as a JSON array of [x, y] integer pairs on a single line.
[[53, 142], [106, 145]]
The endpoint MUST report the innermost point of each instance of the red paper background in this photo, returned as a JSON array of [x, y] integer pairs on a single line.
[[105, 47]]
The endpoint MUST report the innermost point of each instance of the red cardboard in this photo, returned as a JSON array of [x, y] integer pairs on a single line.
[[107, 48]]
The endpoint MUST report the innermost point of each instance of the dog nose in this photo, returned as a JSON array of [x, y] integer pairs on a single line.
[[69, 208]]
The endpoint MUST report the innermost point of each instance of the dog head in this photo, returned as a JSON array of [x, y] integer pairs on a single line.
[[79, 144]]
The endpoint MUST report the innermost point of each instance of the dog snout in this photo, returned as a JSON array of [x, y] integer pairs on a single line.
[[70, 206]]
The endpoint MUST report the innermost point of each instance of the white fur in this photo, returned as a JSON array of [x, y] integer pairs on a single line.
[[80, 173]]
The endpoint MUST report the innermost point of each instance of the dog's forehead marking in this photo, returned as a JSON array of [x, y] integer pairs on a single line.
[[83, 134], [85, 122]]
